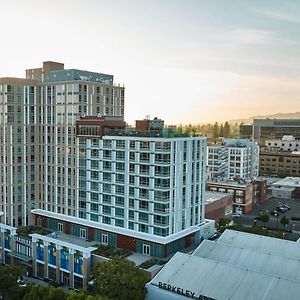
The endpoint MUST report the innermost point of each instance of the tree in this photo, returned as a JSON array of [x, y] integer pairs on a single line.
[[284, 221], [37, 292], [216, 130], [221, 132], [8, 280], [226, 130], [264, 217], [83, 296], [223, 222], [120, 279]]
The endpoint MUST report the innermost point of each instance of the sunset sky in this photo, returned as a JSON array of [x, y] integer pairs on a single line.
[[188, 61]]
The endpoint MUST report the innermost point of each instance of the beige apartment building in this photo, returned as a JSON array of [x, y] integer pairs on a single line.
[[281, 164], [38, 148]]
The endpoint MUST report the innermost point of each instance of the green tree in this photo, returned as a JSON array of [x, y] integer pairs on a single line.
[[37, 292], [120, 279], [223, 222], [216, 130], [8, 280], [284, 221], [264, 217], [226, 130], [221, 132], [83, 296]]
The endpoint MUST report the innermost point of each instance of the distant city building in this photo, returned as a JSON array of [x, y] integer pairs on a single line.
[[218, 205], [286, 188], [233, 158], [280, 157], [237, 266], [264, 129], [217, 161], [286, 143], [245, 193]]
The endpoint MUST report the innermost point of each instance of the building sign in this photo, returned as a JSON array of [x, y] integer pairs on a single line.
[[181, 291]]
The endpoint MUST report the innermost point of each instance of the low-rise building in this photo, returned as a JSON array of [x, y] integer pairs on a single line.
[[218, 205], [237, 266], [245, 193], [286, 188], [280, 157], [279, 163]]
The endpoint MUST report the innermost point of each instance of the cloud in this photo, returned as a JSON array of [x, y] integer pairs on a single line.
[[280, 16], [249, 36]]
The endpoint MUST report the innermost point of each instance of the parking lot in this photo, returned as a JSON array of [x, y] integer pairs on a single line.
[[274, 222]]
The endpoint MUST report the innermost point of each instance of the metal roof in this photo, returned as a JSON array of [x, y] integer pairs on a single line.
[[237, 266], [243, 258], [259, 243], [222, 281]]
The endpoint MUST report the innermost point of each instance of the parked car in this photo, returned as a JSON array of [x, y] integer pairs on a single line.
[[236, 215], [285, 206], [275, 212], [281, 209]]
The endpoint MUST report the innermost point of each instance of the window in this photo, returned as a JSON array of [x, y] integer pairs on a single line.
[[104, 239], [146, 249], [82, 233], [60, 227]]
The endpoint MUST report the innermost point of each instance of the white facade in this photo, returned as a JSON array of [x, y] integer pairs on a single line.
[[150, 185], [287, 143], [217, 161], [240, 156]]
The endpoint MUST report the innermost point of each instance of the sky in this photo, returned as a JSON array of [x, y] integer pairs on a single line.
[[185, 61]]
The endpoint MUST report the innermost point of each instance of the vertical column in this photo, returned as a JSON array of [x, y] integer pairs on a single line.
[[34, 269], [46, 244], [86, 269], [2, 245], [71, 268], [12, 243], [58, 248]]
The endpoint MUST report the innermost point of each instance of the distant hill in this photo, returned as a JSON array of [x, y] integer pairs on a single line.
[[295, 115]]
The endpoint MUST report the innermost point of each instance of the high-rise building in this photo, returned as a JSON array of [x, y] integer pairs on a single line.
[[139, 190], [71, 165], [38, 142]]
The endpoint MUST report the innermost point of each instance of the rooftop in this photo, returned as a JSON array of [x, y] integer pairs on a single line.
[[68, 238], [120, 230], [164, 133], [75, 74], [214, 196], [241, 266], [239, 183], [292, 182]]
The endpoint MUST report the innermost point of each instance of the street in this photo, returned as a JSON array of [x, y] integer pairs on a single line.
[[274, 222]]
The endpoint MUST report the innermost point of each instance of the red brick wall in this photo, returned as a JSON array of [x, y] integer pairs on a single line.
[[126, 242], [248, 208], [188, 240], [67, 227], [91, 234]]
